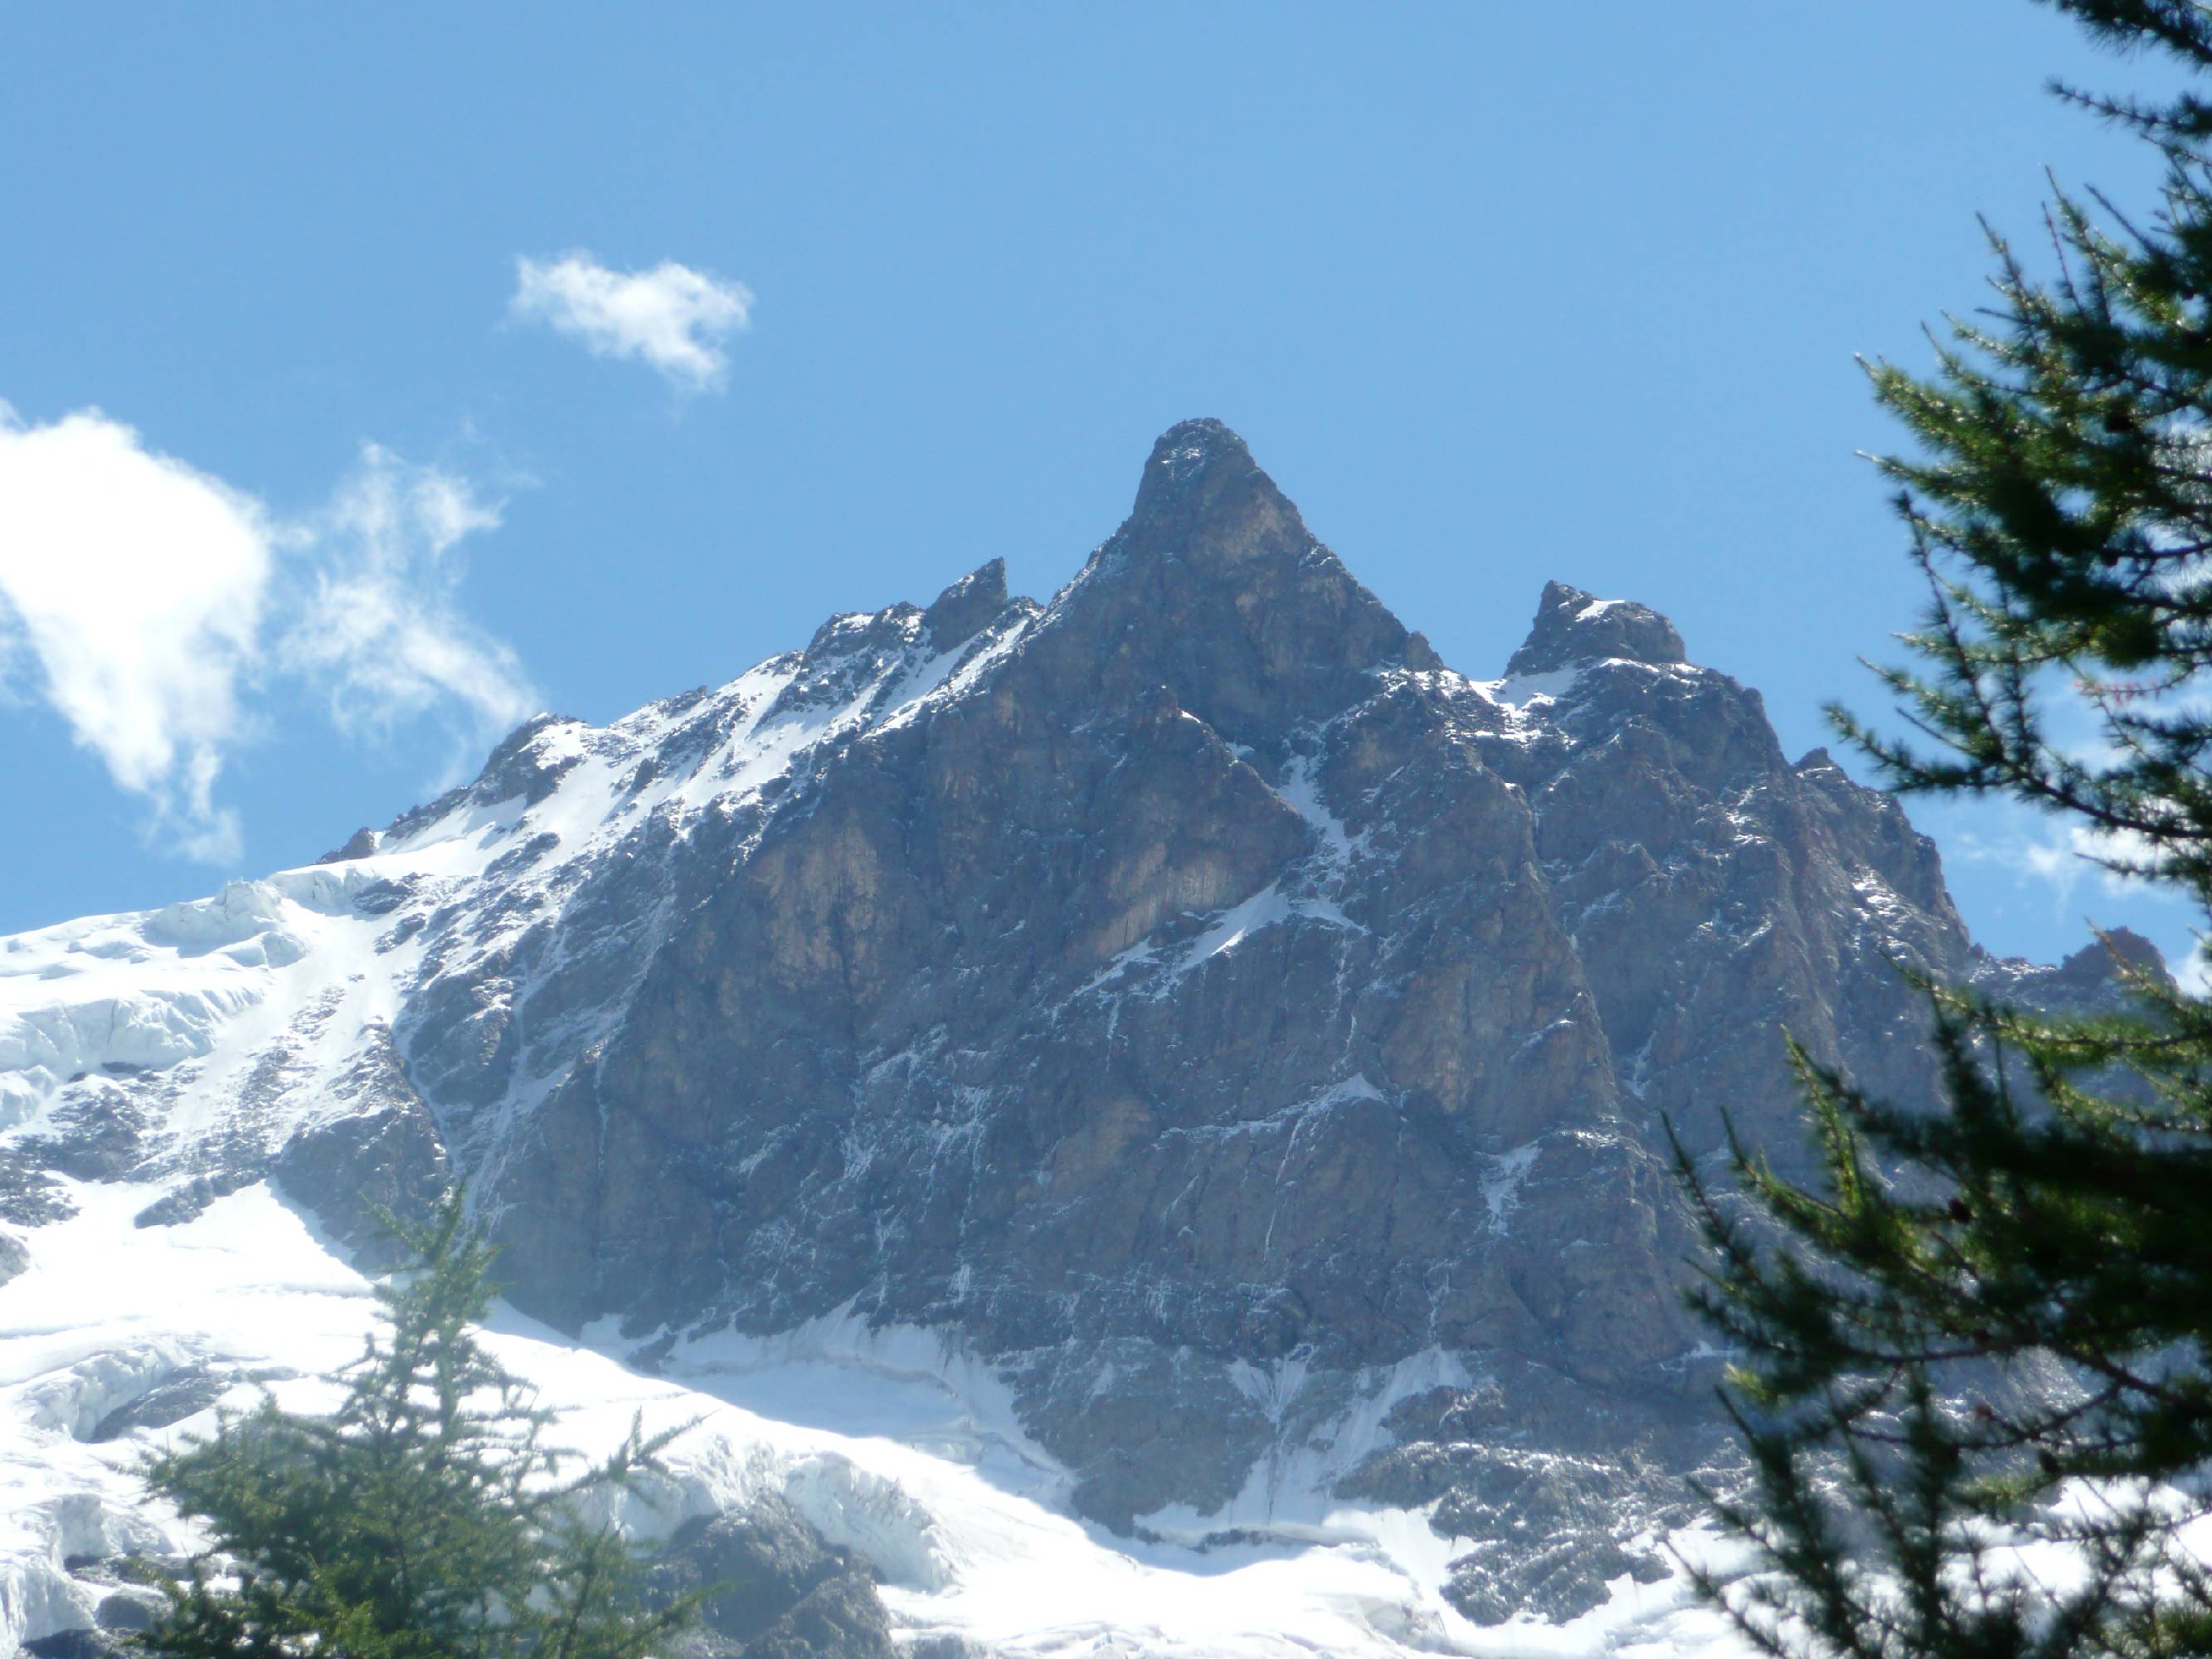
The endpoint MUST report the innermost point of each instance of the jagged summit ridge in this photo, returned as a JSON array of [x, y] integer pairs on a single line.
[[1214, 588], [957, 614], [1572, 628]]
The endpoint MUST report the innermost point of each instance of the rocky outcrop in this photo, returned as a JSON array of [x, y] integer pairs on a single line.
[[382, 1161], [1573, 630], [773, 1589]]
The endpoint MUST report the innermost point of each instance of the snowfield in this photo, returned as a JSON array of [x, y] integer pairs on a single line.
[[888, 1443]]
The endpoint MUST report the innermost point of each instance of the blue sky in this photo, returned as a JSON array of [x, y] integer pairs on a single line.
[[1498, 293]]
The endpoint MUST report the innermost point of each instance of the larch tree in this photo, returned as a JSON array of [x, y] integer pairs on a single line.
[[427, 1517], [1972, 1356]]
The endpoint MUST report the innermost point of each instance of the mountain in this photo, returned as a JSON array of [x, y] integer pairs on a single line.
[[1212, 1047]]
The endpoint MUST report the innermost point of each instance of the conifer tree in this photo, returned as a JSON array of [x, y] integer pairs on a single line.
[[1973, 1356], [425, 1518]]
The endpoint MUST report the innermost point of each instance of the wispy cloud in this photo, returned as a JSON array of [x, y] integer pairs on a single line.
[[2046, 858], [2039, 853], [161, 611], [673, 318], [378, 624]]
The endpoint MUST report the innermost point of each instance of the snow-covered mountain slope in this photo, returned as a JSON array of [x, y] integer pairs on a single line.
[[1168, 1081], [226, 1027], [869, 1438]]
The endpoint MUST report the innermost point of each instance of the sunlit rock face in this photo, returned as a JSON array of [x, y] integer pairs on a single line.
[[1245, 1037]]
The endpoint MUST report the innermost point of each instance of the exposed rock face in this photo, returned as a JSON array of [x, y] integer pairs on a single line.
[[779, 1591], [1190, 994], [171, 1400], [1189, 997], [1222, 986], [384, 1161], [1573, 628]]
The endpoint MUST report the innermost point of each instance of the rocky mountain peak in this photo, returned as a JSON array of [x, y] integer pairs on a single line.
[[1203, 494], [1214, 588], [1573, 626], [957, 614], [2110, 956]]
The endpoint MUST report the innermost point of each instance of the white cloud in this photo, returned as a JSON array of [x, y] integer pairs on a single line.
[[157, 609], [136, 586], [379, 626], [2057, 855], [672, 316]]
